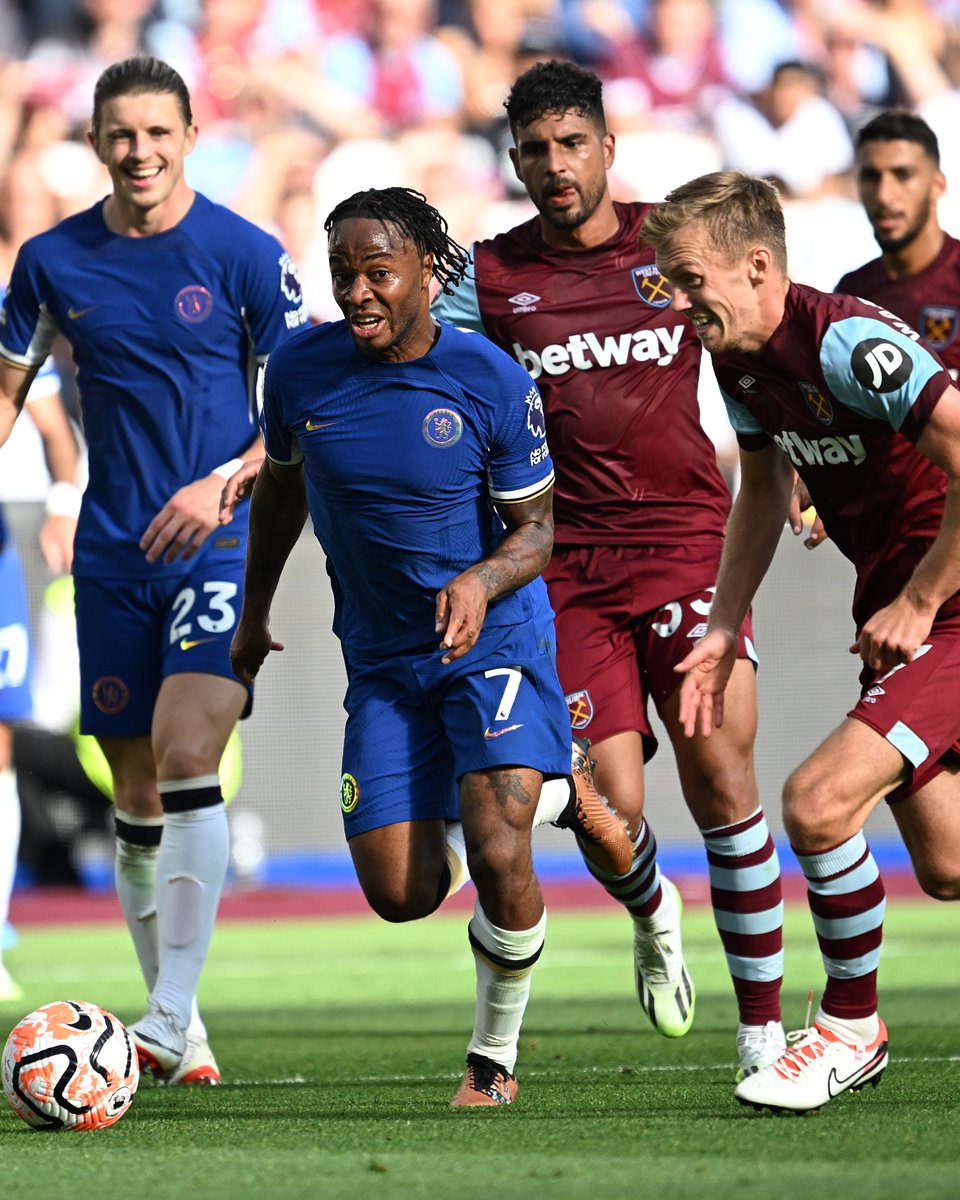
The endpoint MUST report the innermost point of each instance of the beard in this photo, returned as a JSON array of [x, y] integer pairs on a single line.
[[891, 245], [574, 217]]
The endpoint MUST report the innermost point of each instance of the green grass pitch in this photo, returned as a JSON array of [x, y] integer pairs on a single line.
[[342, 1041]]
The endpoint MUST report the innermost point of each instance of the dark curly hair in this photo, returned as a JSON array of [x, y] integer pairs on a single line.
[[555, 87], [414, 217]]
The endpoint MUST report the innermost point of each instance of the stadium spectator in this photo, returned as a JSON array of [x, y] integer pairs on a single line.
[[169, 304], [627, 383], [672, 73], [399, 72], [792, 134], [840, 391], [403, 436]]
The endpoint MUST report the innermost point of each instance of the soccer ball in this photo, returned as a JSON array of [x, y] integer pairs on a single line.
[[70, 1065]]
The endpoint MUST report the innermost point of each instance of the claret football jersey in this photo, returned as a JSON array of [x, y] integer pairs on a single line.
[[929, 301], [618, 372], [844, 389]]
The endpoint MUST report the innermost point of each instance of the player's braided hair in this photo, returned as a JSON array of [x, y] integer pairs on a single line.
[[142, 73], [409, 211], [555, 87]]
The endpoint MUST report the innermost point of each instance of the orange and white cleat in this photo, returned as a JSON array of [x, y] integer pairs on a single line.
[[602, 833], [486, 1084], [197, 1067], [160, 1042], [816, 1066]]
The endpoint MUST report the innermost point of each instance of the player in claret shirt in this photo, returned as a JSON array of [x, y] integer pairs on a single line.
[[170, 304], [917, 275], [846, 395], [640, 510]]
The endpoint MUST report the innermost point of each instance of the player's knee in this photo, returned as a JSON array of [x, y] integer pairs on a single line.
[[809, 812], [500, 860], [939, 883], [400, 904]]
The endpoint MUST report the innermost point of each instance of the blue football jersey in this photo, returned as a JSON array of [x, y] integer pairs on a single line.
[[402, 461], [168, 333]]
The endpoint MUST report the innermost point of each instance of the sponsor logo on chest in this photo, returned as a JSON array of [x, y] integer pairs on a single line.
[[584, 351], [841, 450]]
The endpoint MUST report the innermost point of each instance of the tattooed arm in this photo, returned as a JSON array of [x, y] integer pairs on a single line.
[[520, 557]]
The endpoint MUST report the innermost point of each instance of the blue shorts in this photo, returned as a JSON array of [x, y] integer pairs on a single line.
[[415, 726], [16, 702], [132, 634]]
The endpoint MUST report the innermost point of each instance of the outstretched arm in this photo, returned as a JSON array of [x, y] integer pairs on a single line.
[[521, 556], [278, 510], [894, 633], [753, 532]]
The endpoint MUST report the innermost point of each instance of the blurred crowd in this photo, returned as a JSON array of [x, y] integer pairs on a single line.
[[301, 102]]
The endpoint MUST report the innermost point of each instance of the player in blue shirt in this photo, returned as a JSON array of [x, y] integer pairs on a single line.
[[420, 452], [170, 304], [56, 542]]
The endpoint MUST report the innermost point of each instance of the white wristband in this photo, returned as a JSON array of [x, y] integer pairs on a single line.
[[225, 470], [63, 500]]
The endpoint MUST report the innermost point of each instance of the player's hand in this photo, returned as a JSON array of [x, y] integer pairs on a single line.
[[249, 648], [56, 543], [893, 635], [706, 670], [800, 503], [461, 608], [184, 523], [239, 485]]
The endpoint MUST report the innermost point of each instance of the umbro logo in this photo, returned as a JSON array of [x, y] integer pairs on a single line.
[[524, 302], [746, 383]]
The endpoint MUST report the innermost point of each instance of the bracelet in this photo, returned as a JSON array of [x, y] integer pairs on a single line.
[[63, 499], [225, 470]]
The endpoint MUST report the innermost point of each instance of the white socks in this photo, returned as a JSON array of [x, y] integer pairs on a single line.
[[504, 960]]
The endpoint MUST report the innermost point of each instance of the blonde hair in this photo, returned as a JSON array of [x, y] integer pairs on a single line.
[[736, 209]]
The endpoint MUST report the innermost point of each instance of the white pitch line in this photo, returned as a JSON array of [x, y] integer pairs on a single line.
[[624, 1070]]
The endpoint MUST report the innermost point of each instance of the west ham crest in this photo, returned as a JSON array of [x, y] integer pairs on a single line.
[[817, 402], [938, 325], [651, 286]]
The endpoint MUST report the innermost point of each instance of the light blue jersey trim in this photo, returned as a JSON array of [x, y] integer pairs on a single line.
[[843, 351], [463, 307], [741, 420], [902, 738]]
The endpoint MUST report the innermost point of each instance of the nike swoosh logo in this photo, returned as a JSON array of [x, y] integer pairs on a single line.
[[188, 645], [489, 733], [73, 313], [320, 425], [864, 1069]]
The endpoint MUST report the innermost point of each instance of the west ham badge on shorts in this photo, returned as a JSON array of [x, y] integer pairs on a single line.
[[651, 286], [580, 707]]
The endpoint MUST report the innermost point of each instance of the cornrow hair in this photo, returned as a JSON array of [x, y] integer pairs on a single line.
[[409, 211]]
